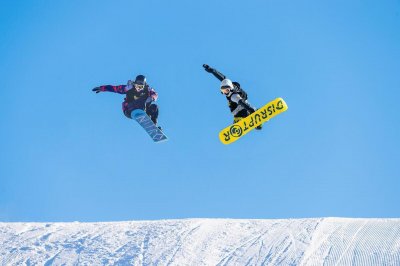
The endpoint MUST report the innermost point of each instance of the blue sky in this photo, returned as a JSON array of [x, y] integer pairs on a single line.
[[67, 154]]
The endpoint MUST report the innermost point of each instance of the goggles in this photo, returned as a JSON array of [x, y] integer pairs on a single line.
[[225, 89], [139, 87]]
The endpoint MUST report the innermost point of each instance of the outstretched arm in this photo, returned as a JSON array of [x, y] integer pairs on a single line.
[[219, 75], [215, 72], [121, 89]]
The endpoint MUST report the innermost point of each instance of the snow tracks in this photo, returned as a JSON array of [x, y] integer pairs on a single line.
[[323, 241]]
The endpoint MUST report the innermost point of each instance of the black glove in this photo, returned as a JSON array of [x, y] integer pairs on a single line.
[[208, 68], [97, 89]]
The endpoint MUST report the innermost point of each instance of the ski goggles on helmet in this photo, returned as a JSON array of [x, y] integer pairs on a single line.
[[225, 89], [139, 87]]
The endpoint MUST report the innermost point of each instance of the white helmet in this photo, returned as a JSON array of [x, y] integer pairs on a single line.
[[227, 83]]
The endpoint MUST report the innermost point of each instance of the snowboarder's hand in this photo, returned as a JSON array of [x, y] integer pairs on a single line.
[[153, 95], [207, 68], [97, 89]]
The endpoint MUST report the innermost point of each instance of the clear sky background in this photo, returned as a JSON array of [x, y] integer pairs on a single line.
[[68, 154]]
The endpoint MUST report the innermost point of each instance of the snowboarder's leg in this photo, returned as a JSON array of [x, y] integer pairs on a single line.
[[252, 110], [242, 114], [152, 111]]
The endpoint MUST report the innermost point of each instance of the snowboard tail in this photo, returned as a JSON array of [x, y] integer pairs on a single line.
[[148, 125], [260, 116]]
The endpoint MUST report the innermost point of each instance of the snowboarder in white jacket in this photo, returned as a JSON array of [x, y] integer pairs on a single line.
[[236, 96]]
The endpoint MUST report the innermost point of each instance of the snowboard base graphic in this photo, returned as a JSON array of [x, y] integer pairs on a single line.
[[144, 120]]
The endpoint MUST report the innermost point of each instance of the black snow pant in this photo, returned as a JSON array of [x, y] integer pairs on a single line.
[[152, 111], [240, 115], [243, 114]]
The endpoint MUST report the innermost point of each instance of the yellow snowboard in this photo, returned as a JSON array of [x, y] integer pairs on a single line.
[[234, 132]]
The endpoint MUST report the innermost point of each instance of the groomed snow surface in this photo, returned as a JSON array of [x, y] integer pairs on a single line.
[[323, 241]]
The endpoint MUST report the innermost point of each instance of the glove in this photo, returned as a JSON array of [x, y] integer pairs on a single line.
[[97, 89], [153, 95], [208, 68]]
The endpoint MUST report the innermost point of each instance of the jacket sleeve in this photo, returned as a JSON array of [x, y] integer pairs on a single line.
[[216, 73], [236, 98], [121, 89], [246, 106]]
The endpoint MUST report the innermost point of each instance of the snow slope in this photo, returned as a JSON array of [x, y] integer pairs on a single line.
[[328, 241]]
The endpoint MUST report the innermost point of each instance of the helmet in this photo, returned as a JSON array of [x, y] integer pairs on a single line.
[[227, 84], [140, 80]]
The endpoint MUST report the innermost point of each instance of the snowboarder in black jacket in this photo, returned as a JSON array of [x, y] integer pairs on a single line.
[[139, 95], [236, 96]]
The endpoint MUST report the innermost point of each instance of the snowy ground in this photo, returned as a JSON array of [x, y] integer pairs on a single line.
[[325, 241]]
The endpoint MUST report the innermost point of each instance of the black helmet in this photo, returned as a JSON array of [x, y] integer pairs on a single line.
[[140, 80]]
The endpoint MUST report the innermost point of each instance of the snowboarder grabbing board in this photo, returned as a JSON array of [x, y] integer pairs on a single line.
[[139, 104], [236, 96], [245, 117]]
